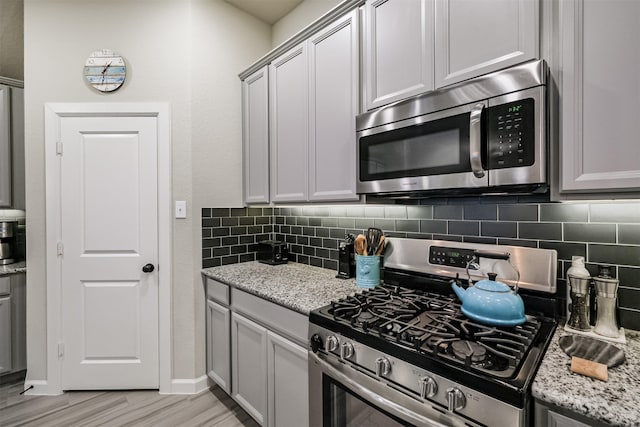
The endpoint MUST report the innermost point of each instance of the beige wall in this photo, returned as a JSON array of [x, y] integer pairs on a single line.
[[304, 14], [11, 42], [184, 52]]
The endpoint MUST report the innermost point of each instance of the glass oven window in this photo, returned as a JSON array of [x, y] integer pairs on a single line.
[[341, 408], [432, 148]]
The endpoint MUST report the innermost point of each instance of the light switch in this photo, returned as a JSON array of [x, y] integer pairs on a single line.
[[181, 209]]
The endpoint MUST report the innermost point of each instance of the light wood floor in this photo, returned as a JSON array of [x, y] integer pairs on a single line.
[[120, 408]]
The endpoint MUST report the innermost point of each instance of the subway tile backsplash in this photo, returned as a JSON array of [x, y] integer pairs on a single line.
[[604, 233]]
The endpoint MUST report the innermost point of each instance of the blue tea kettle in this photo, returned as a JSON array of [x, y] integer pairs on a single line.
[[491, 302]]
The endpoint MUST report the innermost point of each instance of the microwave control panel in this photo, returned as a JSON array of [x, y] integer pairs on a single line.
[[511, 134]]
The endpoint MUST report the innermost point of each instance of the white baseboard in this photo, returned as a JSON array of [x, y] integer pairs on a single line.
[[41, 388], [189, 386]]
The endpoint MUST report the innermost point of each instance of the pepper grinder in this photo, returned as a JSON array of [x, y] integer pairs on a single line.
[[606, 299], [579, 307]]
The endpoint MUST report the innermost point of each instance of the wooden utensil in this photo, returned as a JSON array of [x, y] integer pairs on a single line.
[[360, 245], [589, 368]]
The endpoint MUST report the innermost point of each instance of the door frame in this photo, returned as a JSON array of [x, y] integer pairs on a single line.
[[54, 112]]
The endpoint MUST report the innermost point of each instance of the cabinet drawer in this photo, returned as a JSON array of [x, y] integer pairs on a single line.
[[5, 287], [218, 291], [282, 320]]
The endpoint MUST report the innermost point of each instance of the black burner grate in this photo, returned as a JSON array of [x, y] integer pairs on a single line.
[[433, 324]]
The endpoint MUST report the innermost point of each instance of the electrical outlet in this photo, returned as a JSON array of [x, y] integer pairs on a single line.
[[181, 209]]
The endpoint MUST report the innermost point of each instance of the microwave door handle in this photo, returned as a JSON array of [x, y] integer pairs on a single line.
[[475, 140]]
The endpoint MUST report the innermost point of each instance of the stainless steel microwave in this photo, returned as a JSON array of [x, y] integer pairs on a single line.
[[485, 135]]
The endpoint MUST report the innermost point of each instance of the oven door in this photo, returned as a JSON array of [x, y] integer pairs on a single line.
[[343, 396], [442, 150]]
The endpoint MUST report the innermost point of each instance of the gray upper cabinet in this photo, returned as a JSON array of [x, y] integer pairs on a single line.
[[476, 37], [598, 79], [333, 105], [5, 146], [255, 134], [289, 125], [398, 52]]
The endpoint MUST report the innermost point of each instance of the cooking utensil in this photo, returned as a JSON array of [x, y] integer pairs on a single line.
[[381, 246], [592, 349], [491, 302], [373, 239], [360, 245]]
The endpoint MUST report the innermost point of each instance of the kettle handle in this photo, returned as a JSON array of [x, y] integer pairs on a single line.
[[477, 254]]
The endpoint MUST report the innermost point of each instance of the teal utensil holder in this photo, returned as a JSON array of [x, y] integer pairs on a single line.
[[367, 271]]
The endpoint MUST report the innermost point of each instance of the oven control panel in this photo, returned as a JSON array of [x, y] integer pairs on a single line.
[[453, 257]]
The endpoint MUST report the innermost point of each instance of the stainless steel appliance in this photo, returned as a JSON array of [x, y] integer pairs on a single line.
[[8, 241], [405, 354], [485, 135]]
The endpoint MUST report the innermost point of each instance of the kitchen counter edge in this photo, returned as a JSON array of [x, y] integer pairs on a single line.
[[616, 401], [15, 268], [295, 286]]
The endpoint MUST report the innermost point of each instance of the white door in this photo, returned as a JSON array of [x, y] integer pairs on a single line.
[[109, 229]]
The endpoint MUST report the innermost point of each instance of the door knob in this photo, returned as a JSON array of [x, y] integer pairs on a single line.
[[148, 268]]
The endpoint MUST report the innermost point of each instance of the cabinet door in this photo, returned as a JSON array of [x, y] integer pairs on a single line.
[[5, 146], [289, 132], [249, 366], [288, 383], [17, 147], [600, 90], [219, 345], [398, 50], [255, 134], [475, 37], [333, 105], [19, 321], [5, 335]]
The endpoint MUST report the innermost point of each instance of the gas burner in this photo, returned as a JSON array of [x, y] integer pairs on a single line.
[[465, 349], [365, 316]]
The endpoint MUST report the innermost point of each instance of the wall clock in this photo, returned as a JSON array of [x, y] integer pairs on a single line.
[[105, 70]]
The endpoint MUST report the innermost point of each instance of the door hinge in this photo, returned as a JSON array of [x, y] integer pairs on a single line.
[[59, 148], [60, 350], [60, 248]]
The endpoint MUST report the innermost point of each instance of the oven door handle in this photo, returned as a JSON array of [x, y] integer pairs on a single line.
[[475, 140], [380, 401]]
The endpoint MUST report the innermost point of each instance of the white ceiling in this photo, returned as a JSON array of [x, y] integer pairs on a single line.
[[269, 11]]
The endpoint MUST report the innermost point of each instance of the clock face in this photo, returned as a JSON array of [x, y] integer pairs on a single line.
[[105, 70]]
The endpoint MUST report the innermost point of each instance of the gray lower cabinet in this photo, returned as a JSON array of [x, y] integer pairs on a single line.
[[218, 341], [13, 354], [546, 416], [256, 352], [598, 71], [249, 366], [5, 335], [288, 382]]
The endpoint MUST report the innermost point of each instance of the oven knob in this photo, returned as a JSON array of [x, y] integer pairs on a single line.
[[455, 399], [383, 366], [332, 343], [316, 343], [346, 351], [428, 387]]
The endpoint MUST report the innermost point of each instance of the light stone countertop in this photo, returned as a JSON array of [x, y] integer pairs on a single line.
[[616, 401], [16, 267], [295, 286]]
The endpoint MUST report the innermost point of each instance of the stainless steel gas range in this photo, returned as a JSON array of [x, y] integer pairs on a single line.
[[405, 354]]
